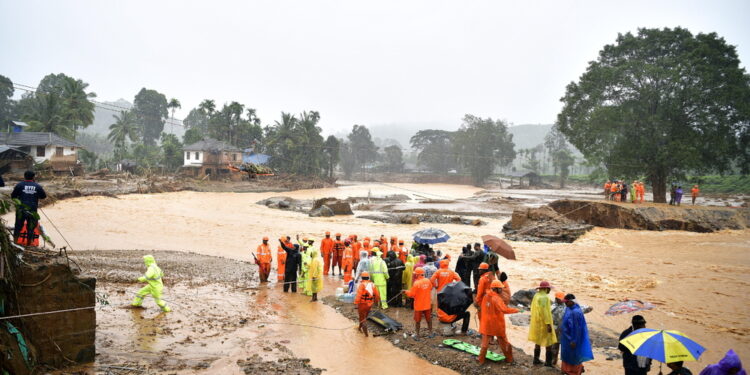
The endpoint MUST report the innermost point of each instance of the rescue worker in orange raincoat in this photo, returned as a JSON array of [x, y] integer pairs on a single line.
[[337, 254], [383, 245], [483, 286], [492, 322], [326, 249], [347, 261], [366, 296], [394, 245], [402, 252], [694, 192], [607, 185], [264, 260], [356, 247], [421, 291], [506, 288], [366, 245], [444, 276], [280, 264]]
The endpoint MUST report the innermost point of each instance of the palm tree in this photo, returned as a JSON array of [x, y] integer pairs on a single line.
[[173, 105], [124, 128], [46, 115], [208, 106], [78, 110]]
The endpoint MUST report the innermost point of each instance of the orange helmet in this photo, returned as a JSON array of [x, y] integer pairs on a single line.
[[484, 266], [560, 295], [365, 274], [376, 242], [444, 263], [496, 284], [419, 271], [265, 238], [338, 234], [304, 239], [367, 238], [328, 233]]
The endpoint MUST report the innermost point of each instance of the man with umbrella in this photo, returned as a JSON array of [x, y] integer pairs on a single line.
[[453, 301], [633, 364]]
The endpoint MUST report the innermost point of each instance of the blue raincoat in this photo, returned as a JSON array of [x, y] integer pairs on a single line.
[[730, 361], [574, 330]]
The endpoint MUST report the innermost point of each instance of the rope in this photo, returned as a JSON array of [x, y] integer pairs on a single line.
[[45, 313]]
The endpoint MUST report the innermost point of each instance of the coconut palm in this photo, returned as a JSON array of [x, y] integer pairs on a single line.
[[45, 114], [124, 128], [173, 105], [208, 106], [78, 110]]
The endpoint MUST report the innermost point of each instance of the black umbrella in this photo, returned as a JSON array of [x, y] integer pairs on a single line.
[[455, 298]]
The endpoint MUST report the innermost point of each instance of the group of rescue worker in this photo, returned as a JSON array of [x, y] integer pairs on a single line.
[[619, 191]]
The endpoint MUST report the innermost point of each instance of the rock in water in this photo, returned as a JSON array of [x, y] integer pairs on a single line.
[[338, 206], [324, 211], [523, 297]]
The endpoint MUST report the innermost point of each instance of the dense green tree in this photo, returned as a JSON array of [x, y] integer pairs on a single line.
[[191, 136], [660, 103], [197, 119], [562, 160], [88, 158], [280, 143], [6, 101], [44, 113], [171, 151], [348, 158], [393, 159], [78, 110], [362, 146], [124, 128], [531, 162], [435, 150], [310, 144], [295, 144], [331, 149], [150, 108], [483, 144]]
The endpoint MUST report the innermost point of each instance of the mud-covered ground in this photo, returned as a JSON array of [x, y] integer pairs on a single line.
[[216, 326], [433, 350]]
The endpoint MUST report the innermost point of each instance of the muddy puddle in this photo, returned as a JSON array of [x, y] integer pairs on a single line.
[[697, 281]]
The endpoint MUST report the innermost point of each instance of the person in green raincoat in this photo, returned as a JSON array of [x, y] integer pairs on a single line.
[[541, 329], [408, 277], [155, 285], [379, 276], [305, 247], [314, 282], [632, 191]]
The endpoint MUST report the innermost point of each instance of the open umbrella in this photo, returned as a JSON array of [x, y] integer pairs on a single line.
[[628, 306], [663, 346], [431, 236], [499, 246], [455, 298]]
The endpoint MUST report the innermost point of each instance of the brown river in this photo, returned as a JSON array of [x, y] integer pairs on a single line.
[[697, 281]]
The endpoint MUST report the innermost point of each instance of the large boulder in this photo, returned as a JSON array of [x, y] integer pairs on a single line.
[[523, 297], [323, 210], [339, 207], [278, 202]]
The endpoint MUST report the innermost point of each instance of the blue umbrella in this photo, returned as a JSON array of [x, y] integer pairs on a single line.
[[663, 346], [431, 236]]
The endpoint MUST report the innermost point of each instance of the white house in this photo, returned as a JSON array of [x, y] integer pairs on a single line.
[[61, 153], [210, 157]]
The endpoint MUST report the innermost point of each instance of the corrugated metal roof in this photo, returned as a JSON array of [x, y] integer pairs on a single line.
[[210, 144], [35, 139]]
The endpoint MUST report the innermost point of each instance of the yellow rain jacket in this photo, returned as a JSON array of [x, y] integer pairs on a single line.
[[155, 285], [541, 316], [314, 283], [406, 279]]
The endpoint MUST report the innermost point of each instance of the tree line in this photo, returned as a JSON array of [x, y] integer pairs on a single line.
[[655, 105]]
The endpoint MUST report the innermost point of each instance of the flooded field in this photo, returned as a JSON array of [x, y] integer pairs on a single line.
[[696, 280]]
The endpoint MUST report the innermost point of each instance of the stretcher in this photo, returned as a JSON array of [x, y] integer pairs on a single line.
[[472, 349], [385, 321]]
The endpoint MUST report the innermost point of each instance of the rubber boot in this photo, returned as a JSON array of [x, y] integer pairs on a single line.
[[537, 352], [548, 356]]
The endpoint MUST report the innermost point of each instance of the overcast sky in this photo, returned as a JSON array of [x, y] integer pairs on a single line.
[[370, 63]]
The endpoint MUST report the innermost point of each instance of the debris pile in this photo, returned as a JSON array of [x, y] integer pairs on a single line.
[[60, 323], [542, 224], [416, 218]]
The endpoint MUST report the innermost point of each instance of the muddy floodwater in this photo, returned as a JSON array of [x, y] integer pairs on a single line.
[[697, 281]]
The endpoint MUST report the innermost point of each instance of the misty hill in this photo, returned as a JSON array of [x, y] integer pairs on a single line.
[[103, 118]]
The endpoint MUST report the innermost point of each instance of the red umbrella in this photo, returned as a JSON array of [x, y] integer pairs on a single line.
[[499, 246]]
